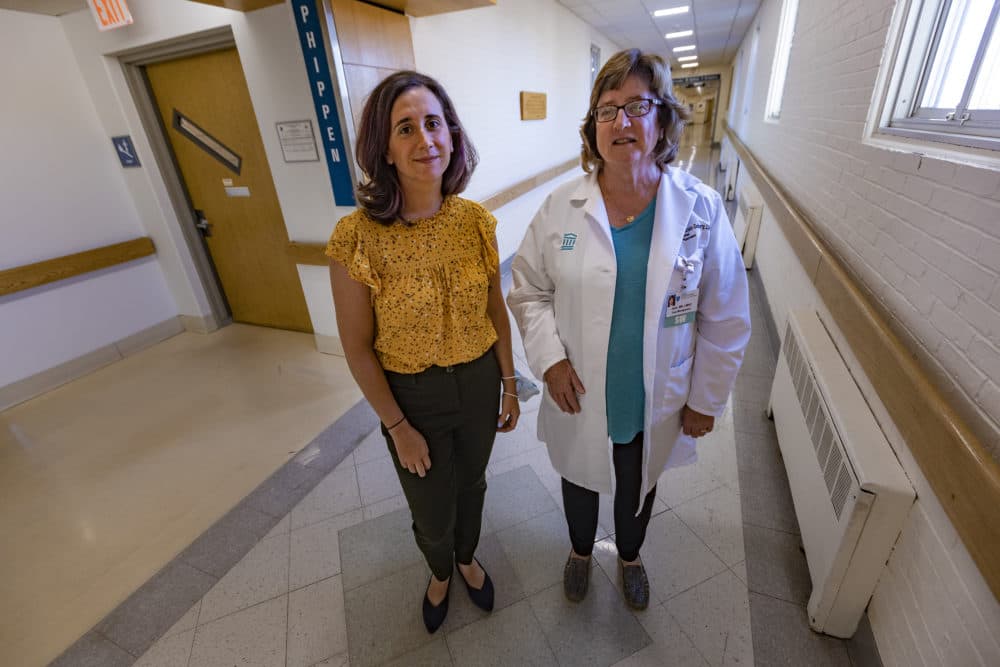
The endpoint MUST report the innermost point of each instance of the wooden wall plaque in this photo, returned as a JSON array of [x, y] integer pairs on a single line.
[[532, 105]]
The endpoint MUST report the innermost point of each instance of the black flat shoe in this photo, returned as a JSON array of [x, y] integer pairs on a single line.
[[481, 597], [434, 616]]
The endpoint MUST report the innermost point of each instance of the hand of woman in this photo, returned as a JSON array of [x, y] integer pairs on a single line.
[[509, 412], [696, 424], [564, 386], [411, 448]]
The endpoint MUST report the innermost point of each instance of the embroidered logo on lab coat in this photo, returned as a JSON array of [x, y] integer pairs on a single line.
[[569, 241]]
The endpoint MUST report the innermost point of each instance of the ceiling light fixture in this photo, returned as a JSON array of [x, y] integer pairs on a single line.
[[679, 34], [672, 11], [689, 47], [683, 59], [686, 65]]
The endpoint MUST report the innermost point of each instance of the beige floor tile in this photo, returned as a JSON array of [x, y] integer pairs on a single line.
[[254, 637], [281, 528], [383, 507], [317, 627], [674, 557], [261, 575], [371, 448], [187, 622], [108, 477], [377, 480]]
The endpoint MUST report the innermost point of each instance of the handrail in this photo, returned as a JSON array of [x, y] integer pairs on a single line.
[[960, 470], [24, 277], [314, 253]]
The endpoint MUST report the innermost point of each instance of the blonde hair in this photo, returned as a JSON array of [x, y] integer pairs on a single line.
[[671, 115]]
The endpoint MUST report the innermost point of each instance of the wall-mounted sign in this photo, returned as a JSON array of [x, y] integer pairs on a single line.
[[532, 105], [207, 142], [695, 80], [110, 14], [318, 70], [126, 151], [297, 141]]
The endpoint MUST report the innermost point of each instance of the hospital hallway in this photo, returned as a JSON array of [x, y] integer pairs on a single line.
[[268, 527], [191, 477]]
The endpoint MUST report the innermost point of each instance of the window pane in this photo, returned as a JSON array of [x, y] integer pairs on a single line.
[[963, 30], [986, 94]]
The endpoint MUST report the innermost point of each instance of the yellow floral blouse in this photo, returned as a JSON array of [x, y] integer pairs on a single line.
[[429, 283]]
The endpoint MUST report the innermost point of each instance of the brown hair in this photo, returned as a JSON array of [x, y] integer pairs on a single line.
[[380, 193], [671, 115]]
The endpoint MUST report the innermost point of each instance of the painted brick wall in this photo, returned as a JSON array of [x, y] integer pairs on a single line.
[[924, 236]]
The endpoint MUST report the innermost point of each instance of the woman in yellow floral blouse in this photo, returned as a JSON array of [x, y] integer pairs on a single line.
[[423, 323]]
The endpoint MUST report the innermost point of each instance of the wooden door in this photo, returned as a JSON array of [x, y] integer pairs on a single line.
[[205, 106]]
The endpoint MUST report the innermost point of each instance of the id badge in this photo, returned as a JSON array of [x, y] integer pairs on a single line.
[[681, 309]]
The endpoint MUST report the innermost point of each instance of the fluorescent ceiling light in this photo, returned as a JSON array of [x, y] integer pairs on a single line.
[[680, 33], [685, 65], [672, 11], [686, 58], [689, 47]]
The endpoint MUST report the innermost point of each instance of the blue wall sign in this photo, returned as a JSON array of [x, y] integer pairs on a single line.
[[314, 53], [126, 151]]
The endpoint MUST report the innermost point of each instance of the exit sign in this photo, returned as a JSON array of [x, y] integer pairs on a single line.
[[110, 14]]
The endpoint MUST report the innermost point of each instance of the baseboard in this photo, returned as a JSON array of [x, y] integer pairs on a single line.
[[329, 344], [200, 324], [51, 378]]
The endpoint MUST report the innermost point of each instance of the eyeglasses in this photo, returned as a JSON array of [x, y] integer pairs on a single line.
[[633, 109]]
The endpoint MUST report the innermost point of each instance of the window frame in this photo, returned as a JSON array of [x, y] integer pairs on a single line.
[[782, 57], [911, 55]]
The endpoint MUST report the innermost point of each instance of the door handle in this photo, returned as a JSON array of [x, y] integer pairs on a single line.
[[202, 223]]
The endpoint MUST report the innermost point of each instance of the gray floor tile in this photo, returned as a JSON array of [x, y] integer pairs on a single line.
[[260, 576], [173, 651], [338, 440], [760, 454], [283, 490], [378, 480], [752, 390], [228, 540], [510, 636], [675, 558], [315, 550], [781, 636], [767, 502], [749, 417], [93, 650], [153, 609], [670, 645], [600, 630], [254, 637], [508, 590], [776, 565], [433, 654], [390, 602], [715, 614], [537, 549], [377, 548], [372, 447], [514, 497]]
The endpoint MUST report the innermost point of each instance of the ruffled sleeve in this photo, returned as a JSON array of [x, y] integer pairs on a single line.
[[348, 246], [487, 225]]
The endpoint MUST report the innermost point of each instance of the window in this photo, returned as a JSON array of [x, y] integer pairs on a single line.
[[786, 28], [945, 86], [595, 63], [746, 98]]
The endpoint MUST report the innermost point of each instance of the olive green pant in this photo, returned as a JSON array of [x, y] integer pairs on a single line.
[[455, 409]]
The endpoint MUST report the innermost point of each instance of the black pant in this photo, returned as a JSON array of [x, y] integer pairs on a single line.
[[455, 409], [582, 504]]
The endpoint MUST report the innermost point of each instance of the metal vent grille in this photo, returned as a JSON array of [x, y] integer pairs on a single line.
[[826, 442]]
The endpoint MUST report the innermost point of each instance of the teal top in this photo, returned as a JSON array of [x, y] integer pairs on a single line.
[[625, 395]]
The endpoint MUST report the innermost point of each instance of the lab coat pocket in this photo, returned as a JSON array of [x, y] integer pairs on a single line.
[[676, 385]]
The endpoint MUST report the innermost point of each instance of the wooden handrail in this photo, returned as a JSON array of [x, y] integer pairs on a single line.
[[960, 470], [313, 254], [25, 277]]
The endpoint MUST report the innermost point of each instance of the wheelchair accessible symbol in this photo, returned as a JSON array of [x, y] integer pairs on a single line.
[[126, 151]]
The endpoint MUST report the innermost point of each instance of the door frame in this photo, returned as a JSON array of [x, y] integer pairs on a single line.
[[132, 61]]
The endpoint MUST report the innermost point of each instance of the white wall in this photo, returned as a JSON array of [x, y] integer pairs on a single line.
[[485, 57], [63, 191], [923, 236]]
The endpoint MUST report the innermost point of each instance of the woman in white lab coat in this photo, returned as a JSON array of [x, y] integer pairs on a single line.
[[631, 297]]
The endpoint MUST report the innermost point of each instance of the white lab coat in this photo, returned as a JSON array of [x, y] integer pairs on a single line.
[[564, 285]]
